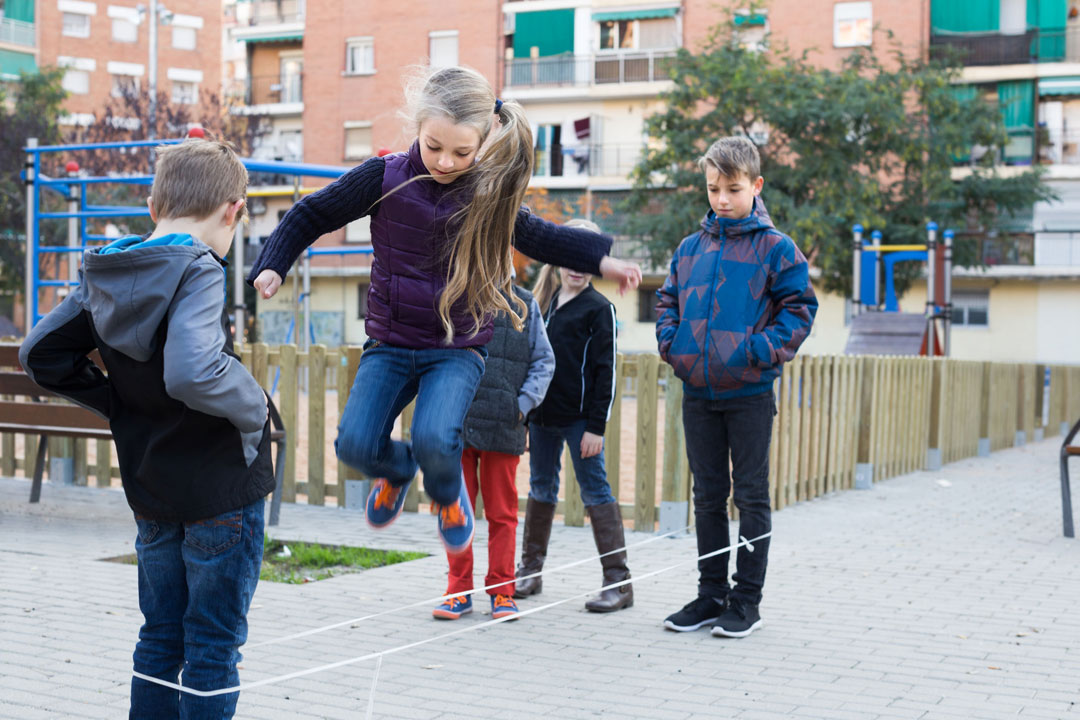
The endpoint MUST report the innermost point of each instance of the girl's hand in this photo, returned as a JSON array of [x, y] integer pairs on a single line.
[[627, 274], [591, 444], [267, 283]]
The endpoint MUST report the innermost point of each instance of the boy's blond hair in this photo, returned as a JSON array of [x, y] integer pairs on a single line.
[[733, 155], [547, 280], [193, 179]]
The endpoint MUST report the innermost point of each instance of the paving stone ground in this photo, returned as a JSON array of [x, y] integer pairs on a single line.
[[945, 595]]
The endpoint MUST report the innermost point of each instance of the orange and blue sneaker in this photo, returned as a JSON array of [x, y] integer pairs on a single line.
[[453, 608], [456, 522], [503, 606], [384, 503]]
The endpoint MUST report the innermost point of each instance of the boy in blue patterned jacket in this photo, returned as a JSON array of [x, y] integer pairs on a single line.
[[735, 307]]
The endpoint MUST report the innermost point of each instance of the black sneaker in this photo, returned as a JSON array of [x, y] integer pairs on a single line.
[[738, 620], [697, 613]]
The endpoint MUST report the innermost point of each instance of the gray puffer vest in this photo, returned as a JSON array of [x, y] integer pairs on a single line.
[[492, 421]]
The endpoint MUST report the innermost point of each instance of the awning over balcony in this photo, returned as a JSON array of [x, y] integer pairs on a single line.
[[643, 14], [1059, 86], [12, 62], [285, 37]]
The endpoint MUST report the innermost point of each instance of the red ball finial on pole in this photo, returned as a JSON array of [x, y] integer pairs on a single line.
[[196, 132], [383, 152], [72, 167]]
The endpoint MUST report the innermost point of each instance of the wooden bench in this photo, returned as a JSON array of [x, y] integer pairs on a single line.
[[33, 416], [1068, 450]]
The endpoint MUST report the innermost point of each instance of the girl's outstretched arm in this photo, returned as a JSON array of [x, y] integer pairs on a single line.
[[348, 198], [575, 248]]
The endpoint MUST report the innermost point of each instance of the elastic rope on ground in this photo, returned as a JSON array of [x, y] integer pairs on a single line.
[[444, 598], [743, 542]]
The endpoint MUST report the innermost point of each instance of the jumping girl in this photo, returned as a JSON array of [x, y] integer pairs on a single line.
[[443, 218]]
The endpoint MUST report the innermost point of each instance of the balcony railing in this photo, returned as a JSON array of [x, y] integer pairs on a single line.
[[267, 90], [587, 161], [269, 12], [584, 70], [1035, 45], [16, 32]]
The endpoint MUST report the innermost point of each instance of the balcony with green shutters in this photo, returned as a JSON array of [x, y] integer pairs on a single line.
[[1003, 32]]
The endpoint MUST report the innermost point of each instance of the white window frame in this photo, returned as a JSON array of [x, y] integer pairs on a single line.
[[358, 125], [125, 31], [183, 98], [116, 92], [83, 32], [441, 35], [357, 43], [852, 12], [180, 31], [76, 81], [618, 48], [966, 300]]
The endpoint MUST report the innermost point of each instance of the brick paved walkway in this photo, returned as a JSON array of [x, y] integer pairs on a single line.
[[934, 595]]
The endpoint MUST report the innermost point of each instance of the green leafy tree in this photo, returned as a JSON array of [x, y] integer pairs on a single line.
[[873, 142], [29, 108]]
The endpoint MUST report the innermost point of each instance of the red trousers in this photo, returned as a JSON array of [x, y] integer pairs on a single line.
[[492, 475]]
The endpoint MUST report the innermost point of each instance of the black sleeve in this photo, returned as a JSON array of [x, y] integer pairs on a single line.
[[602, 367], [54, 355], [350, 197], [569, 247]]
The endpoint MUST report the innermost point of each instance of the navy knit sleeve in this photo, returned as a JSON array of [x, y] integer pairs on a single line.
[[569, 247], [348, 198]]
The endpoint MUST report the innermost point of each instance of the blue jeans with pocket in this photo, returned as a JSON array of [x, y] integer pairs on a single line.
[[443, 381], [545, 462], [196, 580]]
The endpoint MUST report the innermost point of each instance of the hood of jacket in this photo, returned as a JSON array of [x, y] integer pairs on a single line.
[[134, 277], [716, 227]]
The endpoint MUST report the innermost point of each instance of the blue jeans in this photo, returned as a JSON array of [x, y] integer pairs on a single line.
[[545, 462], [443, 381], [196, 580]]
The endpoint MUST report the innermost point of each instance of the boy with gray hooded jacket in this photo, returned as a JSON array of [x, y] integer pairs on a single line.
[[189, 422]]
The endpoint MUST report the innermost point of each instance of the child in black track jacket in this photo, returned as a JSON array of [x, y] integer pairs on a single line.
[[581, 327]]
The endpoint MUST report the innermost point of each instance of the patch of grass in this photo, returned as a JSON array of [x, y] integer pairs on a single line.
[[308, 562], [299, 562]]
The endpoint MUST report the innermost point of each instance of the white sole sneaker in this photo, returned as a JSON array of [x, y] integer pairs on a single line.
[[718, 631], [690, 628]]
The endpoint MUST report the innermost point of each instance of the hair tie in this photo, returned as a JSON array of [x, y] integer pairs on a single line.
[[498, 105]]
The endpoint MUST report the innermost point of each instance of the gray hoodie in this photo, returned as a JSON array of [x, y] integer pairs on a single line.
[[179, 402]]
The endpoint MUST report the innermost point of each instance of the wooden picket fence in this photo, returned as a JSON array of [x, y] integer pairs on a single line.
[[837, 416]]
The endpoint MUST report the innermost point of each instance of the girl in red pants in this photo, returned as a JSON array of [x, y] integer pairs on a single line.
[[519, 369]]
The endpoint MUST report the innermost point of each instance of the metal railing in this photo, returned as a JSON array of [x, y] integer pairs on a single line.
[[588, 160], [16, 32], [276, 12], [263, 90], [584, 70], [1034, 45]]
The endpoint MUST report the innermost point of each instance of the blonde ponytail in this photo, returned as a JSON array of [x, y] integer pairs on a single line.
[[492, 190]]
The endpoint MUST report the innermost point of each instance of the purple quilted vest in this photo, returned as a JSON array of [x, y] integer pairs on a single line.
[[409, 269]]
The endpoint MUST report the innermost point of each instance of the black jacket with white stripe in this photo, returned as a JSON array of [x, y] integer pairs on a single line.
[[582, 334]]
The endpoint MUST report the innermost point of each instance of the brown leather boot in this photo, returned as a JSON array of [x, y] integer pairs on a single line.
[[534, 542], [608, 532]]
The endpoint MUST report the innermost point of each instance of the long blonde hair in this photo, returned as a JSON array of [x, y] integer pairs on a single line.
[[480, 258], [548, 281]]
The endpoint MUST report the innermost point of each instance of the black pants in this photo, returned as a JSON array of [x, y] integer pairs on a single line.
[[743, 428]]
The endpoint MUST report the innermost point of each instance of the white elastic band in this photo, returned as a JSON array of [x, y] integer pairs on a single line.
[[470, 628], [443, 598]]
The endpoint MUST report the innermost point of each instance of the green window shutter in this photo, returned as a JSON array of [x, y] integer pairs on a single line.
[[550, 30], [1049, 17], [955, 16], [19, 10], [11, 63], [1017, 102]]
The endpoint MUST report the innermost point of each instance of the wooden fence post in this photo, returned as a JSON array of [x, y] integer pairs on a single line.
[[573, 506], [613, 431], [289, 395], [316, 482], [675, 484], [645, 476], [103, 463], [866, 389], [412, 497]]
